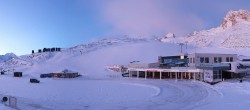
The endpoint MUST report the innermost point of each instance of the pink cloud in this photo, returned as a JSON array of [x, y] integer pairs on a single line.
[[149, 17]]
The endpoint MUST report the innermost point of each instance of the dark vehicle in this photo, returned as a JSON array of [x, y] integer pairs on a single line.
[[5, 99], [32, 80], [125, 74], [18, 74]]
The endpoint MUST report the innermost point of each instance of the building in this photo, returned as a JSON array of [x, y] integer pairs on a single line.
[[175, 67], [207, 67], [64, 74], [196, 59], [214, 65], [48, 50]]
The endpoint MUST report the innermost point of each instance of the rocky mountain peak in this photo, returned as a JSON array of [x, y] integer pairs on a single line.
[[234, 17], [170, 35]]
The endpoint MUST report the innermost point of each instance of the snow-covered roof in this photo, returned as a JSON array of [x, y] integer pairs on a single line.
[[67, 71]]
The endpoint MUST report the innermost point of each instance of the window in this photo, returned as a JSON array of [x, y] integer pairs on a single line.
[[202, 60], [193, 60], [227, 59], [168, 61], [217, 59], [190, 60], [206, 60], [220, 59], [231, 59]]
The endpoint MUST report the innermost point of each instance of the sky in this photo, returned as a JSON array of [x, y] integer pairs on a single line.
[[27, 25]]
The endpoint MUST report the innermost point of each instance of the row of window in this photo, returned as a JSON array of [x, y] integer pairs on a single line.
[[206, 59]]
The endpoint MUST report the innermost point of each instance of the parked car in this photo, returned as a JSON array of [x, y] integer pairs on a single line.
[[32, 80]]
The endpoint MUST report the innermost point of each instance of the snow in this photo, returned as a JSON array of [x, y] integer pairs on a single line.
[[171, 38], [98, 89], [235, 95], [232, 33], [131, 94]]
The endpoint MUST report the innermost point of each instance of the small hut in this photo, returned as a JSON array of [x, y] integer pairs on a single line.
[[63, 74], [66, 74]]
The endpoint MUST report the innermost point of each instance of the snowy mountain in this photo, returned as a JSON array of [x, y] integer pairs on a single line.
[[11, 61], [85, 48], [7, 57], [232, 33]]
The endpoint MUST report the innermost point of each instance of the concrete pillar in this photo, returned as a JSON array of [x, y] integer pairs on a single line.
[[160, 75], [194, 75], [176, 76], [153, 74], [145, 74], [189, 76], [138, 74], [181, 75], [221, 75], [128, 73], [170, 75]]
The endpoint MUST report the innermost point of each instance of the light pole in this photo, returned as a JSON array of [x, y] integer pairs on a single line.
[[181, 44]]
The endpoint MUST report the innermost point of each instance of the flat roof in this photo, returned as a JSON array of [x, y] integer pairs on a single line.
[[213, 53], [184, 69]]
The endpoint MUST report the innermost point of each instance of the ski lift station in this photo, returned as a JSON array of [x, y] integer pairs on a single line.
[[207, 67]]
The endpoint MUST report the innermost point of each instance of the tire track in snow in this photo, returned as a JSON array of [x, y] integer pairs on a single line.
[[180, 95]]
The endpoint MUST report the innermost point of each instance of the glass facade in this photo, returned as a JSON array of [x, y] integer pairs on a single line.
[[173, 61], [216, 74]]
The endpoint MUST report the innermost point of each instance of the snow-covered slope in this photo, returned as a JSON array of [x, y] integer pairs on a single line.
[[10, 61], [232, 33], [93, 64]]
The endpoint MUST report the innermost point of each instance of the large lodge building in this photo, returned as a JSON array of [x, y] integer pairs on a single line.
[[207, 67]]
